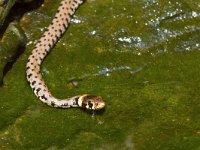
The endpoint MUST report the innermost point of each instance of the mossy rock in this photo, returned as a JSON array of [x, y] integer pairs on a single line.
[[141, 56]]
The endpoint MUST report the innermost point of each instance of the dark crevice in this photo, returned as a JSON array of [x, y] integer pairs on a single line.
[[16, 13]]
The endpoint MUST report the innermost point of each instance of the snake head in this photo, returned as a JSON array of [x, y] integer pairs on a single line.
[[92, 102]]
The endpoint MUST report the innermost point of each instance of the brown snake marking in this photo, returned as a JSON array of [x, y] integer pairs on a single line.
[[49, 38]]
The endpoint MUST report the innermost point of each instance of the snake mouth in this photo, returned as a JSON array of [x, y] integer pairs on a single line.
[[100, 106]]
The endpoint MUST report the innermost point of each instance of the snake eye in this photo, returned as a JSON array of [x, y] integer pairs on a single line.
[[90, 104]]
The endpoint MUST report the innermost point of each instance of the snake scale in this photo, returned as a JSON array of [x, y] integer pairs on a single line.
[[49, 38]]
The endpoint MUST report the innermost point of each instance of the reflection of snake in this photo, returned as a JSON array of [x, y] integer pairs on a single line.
[[43, 46]]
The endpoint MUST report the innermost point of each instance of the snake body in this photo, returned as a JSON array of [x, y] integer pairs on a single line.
[[49, 38]]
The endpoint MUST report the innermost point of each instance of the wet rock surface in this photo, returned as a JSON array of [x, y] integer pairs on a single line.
[[141, 56]]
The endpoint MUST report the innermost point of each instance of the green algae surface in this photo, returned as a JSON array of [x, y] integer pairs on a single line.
[[142, 57]]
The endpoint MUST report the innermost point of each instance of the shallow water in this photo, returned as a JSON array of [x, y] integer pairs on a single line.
[[141, 56]]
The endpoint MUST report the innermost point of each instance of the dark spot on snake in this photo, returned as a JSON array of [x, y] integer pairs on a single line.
[[40, 58], [37, 90], [49, 45], [29, 75], [44, 97], [33, 82], [57, 37], [76, 100], [53, 41], [60, 31], [52, 103], [65, 104], [65, 26]]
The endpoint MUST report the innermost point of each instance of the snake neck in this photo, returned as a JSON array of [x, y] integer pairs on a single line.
[[49, 38]]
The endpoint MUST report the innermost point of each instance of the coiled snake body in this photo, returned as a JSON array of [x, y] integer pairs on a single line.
[[44, 45]]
